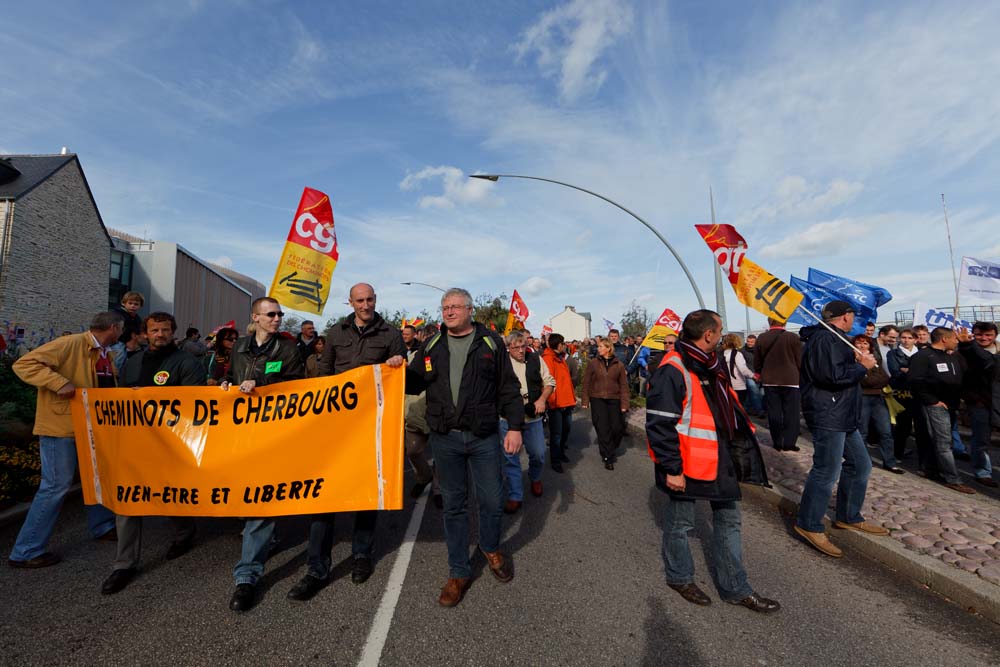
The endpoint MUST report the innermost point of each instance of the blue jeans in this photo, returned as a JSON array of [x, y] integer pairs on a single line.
[[560, 421], [257, 536], [533, 437], [874, 409], [957, 446], [755, 399], [980, 443], [58, 468], [835, 455], [454, 453], [727, 550], [940, 425], [321, 540]]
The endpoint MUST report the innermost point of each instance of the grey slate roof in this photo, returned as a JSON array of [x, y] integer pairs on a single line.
[[586, 316], [34, 169]]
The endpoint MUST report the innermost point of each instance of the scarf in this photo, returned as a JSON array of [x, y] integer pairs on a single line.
[[710, 367]]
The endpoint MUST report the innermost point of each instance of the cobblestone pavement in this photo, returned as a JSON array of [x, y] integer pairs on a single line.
[[924, 516]]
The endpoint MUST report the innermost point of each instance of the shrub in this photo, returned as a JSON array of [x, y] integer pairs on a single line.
[[20, 472]]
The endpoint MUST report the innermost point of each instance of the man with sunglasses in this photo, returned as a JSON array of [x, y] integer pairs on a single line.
[[262, 358]]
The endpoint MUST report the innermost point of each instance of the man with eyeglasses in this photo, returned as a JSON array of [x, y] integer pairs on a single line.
[[259, 359], [360, 339], [470, 384]]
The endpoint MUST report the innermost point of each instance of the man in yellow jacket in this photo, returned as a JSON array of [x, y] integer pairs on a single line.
[[57, 369]]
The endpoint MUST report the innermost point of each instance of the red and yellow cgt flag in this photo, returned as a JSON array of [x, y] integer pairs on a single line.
[[765, 293], [302, 280], [518, 314], [728, 247], [418, 322], [669, 323]]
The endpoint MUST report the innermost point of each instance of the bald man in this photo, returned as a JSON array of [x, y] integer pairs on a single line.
[[360, 339]]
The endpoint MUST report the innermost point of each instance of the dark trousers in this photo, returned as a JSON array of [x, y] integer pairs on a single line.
[[910, 422], [321, 540], [782, 404], [560, 420], [926, 453], [606, 414]]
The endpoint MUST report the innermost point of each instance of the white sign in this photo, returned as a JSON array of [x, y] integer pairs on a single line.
[[933, 318], [979, 279]]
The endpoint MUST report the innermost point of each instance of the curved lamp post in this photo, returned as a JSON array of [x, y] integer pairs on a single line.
[[425, 285], [697, 292]]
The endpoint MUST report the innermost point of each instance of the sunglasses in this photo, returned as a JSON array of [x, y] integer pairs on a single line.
[[273, 314]]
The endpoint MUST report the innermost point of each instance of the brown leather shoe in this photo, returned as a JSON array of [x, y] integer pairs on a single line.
[[962, 488], [45, 560], [863, 527], [536, 488], [499, 565], [821, 542], [692, 593], [511, 506], [453, 592]]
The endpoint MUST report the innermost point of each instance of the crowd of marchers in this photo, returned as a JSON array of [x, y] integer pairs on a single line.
[[476, 399]]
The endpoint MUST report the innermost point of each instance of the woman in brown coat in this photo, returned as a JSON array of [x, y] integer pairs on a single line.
[[605, 392]]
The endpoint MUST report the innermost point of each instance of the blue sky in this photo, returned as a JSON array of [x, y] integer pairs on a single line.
[[827, 133]]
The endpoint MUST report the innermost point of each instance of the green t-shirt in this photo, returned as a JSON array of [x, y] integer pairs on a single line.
[[458, 351]]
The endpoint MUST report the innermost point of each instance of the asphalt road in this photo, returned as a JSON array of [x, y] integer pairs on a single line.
[[588, 590]]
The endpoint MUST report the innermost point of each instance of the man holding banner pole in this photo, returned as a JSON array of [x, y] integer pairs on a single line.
[[261, 358], [830, 380], [162, 364], [361, 339], [470, 385]]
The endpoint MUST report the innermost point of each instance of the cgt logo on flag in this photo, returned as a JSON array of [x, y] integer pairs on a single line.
[[728, 246], [302, 279]]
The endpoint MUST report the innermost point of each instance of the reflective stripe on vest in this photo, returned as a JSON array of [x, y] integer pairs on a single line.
[[699, 443]]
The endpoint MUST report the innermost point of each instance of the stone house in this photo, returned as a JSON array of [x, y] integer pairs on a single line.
[[54, 248]]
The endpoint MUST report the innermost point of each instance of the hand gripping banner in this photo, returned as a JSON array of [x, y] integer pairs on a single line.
[[328, 444], [302, 279]]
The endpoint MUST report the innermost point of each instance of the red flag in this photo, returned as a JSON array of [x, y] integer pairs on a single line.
[[546, 330], [518, 314], [670, 319], [728, 247], [493, 326]]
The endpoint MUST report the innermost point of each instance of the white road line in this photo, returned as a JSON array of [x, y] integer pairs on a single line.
[[387, 607]]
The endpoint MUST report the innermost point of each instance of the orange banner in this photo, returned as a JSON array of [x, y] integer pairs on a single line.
[[328, 444], [302, 279]]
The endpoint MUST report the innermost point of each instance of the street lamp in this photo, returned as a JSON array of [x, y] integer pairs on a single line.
[[425, 285], [697, 292]]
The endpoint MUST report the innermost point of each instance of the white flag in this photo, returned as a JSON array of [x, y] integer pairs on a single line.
[[979, 279]]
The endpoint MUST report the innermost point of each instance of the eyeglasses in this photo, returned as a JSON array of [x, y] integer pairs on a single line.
[[446, 309], [273, 314]]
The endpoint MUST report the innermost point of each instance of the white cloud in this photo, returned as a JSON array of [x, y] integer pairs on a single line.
[[223, 261], [458, 187], [796, 199], [821, 239], [570, 39], [534, 286]]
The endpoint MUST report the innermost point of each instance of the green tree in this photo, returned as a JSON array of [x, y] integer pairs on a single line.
[[490, 309], [636, 321]]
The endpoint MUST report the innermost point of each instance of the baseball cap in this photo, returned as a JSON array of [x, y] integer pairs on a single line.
[[836, 309]]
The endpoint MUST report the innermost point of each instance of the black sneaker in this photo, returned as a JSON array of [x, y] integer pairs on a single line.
[[362, 569]]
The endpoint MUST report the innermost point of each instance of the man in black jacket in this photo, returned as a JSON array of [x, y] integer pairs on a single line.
[[936, 374], [260, 359], [703, 446], [978, 389], [830, 379], [360, 339], [162, 364], [470, 384]]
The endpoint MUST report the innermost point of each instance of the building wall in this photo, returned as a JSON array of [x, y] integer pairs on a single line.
[[55, 273], [204, 299], [571, 325]]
